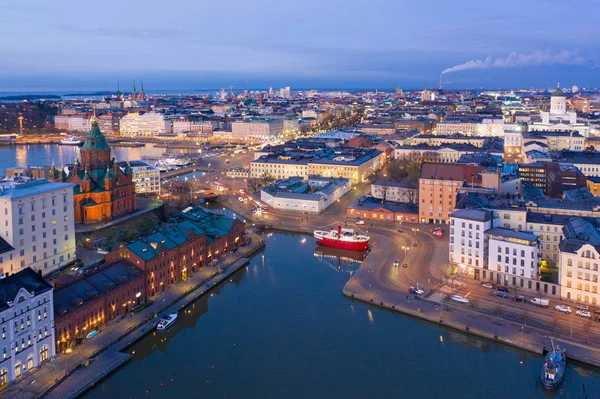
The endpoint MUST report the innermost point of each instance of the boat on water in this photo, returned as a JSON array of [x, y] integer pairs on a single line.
[[342, 238], [174, 163], [554, 367], [92, 334], [166, 321], [71, 141]]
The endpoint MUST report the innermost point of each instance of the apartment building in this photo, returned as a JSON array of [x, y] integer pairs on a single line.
[[144, 125], [145, 177], [348, 163], [395, 191], [579, 258], [513, 256], [468, 241], [438, 185], [513, 147], [27, 324], [38, 225], [257, 129]]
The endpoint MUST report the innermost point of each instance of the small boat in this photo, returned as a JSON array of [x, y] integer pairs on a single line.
[[92, 334], [342, 239], [166, 321], [554, 367], [71, 141]]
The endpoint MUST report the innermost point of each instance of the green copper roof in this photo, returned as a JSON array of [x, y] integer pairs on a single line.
[[558, 93], [96, 140]]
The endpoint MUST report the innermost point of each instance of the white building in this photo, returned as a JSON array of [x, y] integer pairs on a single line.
[[148, 124], [396, 191], [468, 241], [258, 129], [559, 118], [38, 226], [27, 324], [296, 194], [181, 126], [146, 177], [513, 256], [79, 124], [490, 127], [579, 258]]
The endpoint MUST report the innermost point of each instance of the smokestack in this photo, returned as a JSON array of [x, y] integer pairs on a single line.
[[441, 81]]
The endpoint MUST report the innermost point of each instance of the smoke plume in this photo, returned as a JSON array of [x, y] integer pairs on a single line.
[[519, 60]]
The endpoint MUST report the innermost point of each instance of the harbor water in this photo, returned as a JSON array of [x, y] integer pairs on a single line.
[[44, 154], [281, 328]]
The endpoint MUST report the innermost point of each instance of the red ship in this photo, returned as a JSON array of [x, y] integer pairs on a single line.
[[343, 239]]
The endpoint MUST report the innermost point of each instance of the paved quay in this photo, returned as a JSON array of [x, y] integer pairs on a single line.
[[66, 370]]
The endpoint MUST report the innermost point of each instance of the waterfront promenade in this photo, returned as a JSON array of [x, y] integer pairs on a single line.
[[65, 378]]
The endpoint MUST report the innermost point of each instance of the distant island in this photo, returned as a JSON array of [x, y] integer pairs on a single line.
[[98, 93], [31, 97]]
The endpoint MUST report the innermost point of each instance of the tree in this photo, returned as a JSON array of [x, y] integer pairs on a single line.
[[266, 178], [254, 184]]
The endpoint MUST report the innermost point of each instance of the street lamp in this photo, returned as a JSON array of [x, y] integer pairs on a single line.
[[405, 250]]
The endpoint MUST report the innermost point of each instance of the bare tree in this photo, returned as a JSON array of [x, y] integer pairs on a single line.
[[254, 184]]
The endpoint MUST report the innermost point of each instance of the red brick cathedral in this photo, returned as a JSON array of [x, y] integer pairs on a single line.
[[103, 191]]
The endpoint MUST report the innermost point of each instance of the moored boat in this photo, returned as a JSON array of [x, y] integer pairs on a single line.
[[71, 141], [342, 238], [166, 321], [553, 369]]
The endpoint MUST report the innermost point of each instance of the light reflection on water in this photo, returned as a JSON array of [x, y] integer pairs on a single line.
[[298, 339]]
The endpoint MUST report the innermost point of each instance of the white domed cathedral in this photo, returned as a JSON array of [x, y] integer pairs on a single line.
[[560, 118]]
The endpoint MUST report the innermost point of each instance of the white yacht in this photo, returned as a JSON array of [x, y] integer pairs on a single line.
[[71, 141], [166, 321]]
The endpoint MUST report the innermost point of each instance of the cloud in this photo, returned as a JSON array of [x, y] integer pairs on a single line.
[[142, 33], [519, 60]]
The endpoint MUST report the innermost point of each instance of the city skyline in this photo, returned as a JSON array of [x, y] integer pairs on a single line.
[[314, 44]]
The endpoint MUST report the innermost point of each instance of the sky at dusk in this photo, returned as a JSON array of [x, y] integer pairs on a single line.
[[191, 44]]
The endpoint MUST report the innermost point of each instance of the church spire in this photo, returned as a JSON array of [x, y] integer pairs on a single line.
[[133, 96]]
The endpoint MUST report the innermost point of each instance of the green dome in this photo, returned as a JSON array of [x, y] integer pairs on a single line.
[[558, 93], [96, 140]]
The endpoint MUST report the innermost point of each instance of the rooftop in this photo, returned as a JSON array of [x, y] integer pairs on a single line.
[[28, 279], [20, 188], [477, 215], [509, 233], [372, 204]]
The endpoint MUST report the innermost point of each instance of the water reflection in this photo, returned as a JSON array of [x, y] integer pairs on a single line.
[[44, 154], [188, 317], [340, 260]]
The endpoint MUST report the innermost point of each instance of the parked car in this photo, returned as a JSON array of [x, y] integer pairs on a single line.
[[501, 294], [360, 222], [582, 307], [563, 308], [503, 288], [396, 263], [459, 298], [487, 285], [584, 313], [416, 291], [540, 301], [520, 298]]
